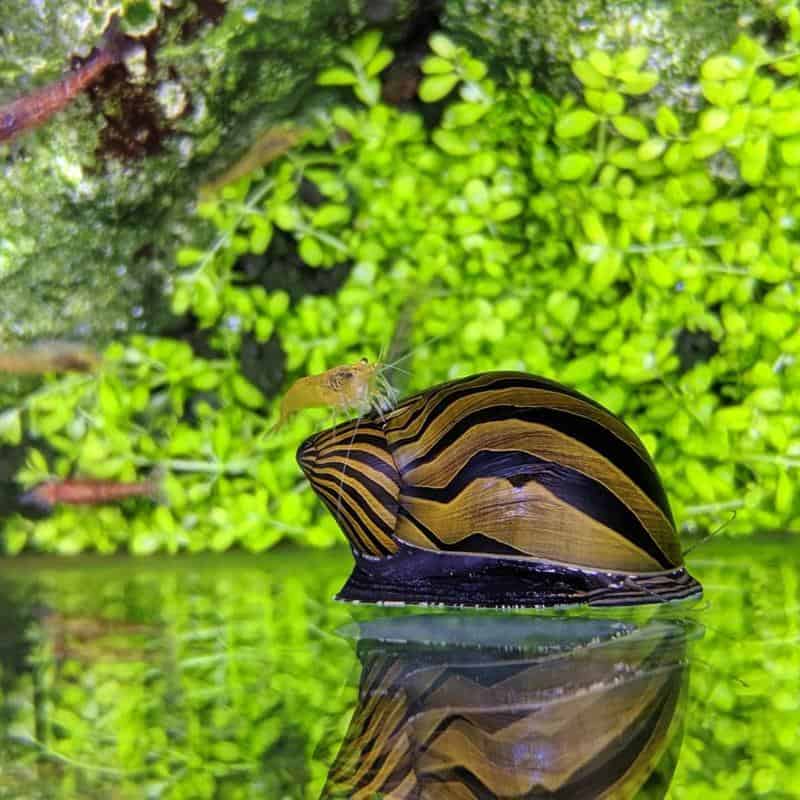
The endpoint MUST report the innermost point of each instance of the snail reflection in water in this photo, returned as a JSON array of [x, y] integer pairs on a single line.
[[514, 707], [501, 489]]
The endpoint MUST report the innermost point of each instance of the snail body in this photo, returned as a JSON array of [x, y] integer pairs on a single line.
[[500, 489]]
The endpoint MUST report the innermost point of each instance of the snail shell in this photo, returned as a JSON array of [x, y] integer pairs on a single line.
[[500, 489]]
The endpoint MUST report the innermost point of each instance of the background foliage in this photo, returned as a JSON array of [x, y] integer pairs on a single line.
[[645, 257]]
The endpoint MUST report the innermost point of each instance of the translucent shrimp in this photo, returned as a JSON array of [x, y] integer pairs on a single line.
[[350, 388]]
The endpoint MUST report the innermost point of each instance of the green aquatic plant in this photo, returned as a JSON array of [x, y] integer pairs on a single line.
[[645, 256], [360, 66]]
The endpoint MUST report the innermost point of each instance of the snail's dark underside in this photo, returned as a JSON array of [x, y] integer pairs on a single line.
[[415, 576]]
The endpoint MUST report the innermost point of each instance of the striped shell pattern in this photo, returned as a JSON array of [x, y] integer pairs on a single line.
[[599, 720], [501, 489]]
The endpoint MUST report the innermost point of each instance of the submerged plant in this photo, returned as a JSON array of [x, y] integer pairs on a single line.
[[646, 258]]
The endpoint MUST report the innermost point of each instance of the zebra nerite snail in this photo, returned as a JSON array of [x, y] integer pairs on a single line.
[[501, 489]]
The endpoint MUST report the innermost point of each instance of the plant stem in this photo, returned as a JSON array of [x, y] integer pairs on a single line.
[[678, 244], [223, 239], [712, 508], [203, 467]]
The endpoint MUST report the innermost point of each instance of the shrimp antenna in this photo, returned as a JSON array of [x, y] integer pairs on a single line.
[[727, 522], [410, 352]]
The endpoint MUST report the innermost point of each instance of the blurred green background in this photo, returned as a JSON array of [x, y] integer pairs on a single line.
[[620, 215]]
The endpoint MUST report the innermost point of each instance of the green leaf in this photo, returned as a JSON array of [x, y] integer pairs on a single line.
[[443, 46], [734, 418], [435, 87], [574, 166], [264, 328], [761, 89], [187, 256], [11, 426], [221, 440], [613, 103], [651, 149], [588, 75], [667, 124], [436, 65], [206, 380], [787, 68], [638, 82], [452, 143], [181, 299], [784, 493], [286, 217], [36, 464], [563, 307], [580, 370], [627, 158], [379, 62], [601, 62], [366, 45], [632, 59], [368, 91], [678, 157], [660, 272], [714, 119], [336, 76], [790, 152], [722, 68], [311, 251], [260, 237], [606, 271], [576, 123], [279, 302], [753, 159], [593, 227], [474, 70], [785, 123], [725, 93], [247, 394], [766, 399], [630, 128], [108, 400], [700, 481], [507, 209], [460, 115], [330, 214], [704, 146]]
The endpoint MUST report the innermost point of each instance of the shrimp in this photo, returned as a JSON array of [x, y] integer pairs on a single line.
[[359, 387], [47, 357], [89, 492], [272, 144]]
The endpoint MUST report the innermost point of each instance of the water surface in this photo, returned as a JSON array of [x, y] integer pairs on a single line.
[[239, 677]]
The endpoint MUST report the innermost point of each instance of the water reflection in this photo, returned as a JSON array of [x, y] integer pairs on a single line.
[[469, 707], [226, 678]]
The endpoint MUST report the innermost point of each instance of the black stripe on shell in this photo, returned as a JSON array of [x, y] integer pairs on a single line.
[[582, 429], [473, 543], [571, 486], [491, 381], [343, 497]]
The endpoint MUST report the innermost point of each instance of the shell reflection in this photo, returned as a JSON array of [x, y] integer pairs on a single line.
[[514, 707]]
